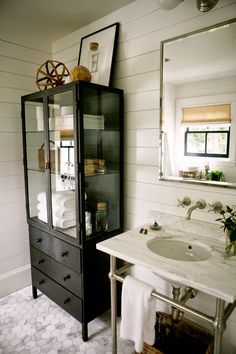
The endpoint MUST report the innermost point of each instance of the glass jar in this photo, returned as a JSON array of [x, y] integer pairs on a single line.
[[230, 246], [101, 217], [88, 221], [94, 55]]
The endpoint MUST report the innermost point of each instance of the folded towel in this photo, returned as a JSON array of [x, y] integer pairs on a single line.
[[138, 313], [58, 222], [65, 214], [57, 209], [59, 198]]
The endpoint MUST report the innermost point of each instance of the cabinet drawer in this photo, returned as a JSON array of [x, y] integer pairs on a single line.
[[40, 240], [68, 301], [57, 271], [67, 254]]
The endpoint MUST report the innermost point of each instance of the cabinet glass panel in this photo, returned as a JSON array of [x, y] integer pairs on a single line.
[[34, 127], [101, 160], [62, 162]]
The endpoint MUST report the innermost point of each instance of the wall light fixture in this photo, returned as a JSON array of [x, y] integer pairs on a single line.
[[202, 5]]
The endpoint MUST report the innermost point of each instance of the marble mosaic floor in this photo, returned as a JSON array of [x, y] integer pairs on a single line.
[[39, 326]]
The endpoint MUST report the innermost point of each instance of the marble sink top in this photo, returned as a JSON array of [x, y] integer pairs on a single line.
[[215, 276]]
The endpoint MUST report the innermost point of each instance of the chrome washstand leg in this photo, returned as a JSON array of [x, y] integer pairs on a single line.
[[113, 303], [218, 325]]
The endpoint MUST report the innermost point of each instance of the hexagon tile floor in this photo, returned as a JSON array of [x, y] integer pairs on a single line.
[[39, 326]]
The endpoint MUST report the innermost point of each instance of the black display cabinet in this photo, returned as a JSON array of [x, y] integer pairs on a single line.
[[73, 163]]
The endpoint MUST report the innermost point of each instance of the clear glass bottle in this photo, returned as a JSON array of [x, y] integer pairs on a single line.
[[88, 221], [101, 217], [94, 58]]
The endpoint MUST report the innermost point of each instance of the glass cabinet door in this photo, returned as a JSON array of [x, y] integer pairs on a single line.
[[34, 141], [62, 162], [100, 117], [50, 145]]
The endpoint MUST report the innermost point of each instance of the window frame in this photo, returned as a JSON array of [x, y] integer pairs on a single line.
[[206, 132]]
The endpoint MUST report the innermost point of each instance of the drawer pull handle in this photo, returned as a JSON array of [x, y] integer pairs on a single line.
[[66, 301], [67, 277], [38, 240], [63, 254], [41, 261], [41, 282]]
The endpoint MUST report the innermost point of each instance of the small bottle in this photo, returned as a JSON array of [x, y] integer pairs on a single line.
[[94, 55], [88, 222], [101, 217]]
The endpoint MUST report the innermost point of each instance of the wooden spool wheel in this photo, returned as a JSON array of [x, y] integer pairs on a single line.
[[51, 74]]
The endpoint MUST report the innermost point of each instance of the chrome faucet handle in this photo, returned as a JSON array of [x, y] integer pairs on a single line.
[[186, 201], [201, 204], [215, 206]]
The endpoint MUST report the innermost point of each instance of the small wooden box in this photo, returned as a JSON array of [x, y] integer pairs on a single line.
[[54, 158]]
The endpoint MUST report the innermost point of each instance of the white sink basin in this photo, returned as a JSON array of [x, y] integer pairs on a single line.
[[180, 250]]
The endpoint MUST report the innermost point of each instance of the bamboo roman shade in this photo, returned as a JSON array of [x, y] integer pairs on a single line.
[[220, 113]]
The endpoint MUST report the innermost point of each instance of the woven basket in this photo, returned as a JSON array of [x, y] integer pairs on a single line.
[[184, 337], [54, 153]]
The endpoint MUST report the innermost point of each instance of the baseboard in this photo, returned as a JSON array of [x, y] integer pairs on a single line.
[[15, 280]]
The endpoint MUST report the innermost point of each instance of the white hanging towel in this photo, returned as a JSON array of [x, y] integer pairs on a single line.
[[138, 313]]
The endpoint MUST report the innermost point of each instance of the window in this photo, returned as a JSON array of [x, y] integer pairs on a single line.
[[207, 130], [209, 142]]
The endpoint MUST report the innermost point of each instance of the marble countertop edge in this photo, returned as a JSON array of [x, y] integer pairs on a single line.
[[215, 276]]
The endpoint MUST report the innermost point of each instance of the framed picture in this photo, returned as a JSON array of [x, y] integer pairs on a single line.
[[97, 53]]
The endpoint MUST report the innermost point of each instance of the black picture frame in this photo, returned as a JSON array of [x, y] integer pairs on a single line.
[[99, 56]]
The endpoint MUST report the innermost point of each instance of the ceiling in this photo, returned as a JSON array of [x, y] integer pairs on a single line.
[[33, 21]]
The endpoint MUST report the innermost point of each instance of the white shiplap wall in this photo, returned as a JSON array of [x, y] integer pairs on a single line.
[[143, 26], [18, 65]]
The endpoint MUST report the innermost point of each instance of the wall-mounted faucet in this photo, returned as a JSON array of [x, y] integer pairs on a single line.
[[201, 204]]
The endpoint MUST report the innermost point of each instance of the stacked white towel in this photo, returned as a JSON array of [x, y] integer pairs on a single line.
[[138, 313], [63, 208]]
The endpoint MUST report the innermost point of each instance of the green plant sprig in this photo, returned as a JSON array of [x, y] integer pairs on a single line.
[[228, 220]]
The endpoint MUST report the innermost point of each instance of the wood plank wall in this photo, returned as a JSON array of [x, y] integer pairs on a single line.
[[18, 66], [137, 71], [143, 26]]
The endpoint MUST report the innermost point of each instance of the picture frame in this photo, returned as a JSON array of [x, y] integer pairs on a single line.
[[97, 53]]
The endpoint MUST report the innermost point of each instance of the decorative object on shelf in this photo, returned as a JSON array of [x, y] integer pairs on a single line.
[[94, 166], [80, 72], [228, 219], [54, 158], [216, 175], [97, 53], [101, 217], [190, 174], [50, 74]]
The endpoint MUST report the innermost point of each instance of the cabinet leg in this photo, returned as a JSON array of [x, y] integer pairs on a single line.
[[85, 332], [34, 292]]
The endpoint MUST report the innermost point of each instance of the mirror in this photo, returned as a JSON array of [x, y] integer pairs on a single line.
[[198, 107]]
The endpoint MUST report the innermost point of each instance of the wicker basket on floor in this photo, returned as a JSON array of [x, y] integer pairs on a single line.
[[183, 337]]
